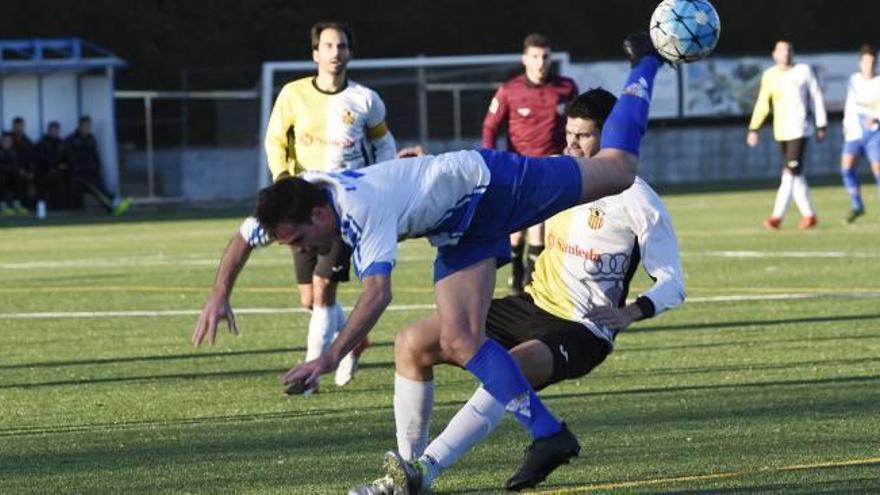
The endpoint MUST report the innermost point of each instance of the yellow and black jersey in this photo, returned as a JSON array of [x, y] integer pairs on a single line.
[[793, 93], [310, 129], [592, 251]]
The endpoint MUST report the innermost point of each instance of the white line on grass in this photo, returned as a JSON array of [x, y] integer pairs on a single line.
[[625, 485], [154, 261], [407, 307], [786, 254]]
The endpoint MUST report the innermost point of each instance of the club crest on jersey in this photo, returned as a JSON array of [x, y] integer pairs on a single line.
[[596, 218], [524, 112], [347, 117]]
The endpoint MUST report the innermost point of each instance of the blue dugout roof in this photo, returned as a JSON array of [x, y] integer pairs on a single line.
[[46, 55]]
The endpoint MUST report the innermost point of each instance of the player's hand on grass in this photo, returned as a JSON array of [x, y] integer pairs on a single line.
[[216, 309], [308, 373]]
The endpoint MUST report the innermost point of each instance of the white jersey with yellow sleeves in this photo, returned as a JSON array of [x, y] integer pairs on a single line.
[[313, 130], [794, 94], [592, 251]]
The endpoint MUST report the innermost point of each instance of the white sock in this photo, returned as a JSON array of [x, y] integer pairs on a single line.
[[802, 196], [783, 196], [470, 425], [413, 402], [320, 333]]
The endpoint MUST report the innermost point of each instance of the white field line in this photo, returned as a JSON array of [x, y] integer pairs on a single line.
[[407, 307], [628, 486], [158, 261], [786, 254]]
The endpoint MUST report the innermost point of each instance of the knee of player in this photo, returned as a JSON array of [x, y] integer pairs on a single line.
[[306, 301], [458, 347], [405, 344], [408, 350]]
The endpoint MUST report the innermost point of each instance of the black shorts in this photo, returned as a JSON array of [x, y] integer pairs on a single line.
[[576, 350], [334, 265], [793, 155]]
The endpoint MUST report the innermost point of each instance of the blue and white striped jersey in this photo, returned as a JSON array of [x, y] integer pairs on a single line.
[[377, 206]]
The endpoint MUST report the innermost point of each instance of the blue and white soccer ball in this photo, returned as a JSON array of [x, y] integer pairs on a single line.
[[685, 30]]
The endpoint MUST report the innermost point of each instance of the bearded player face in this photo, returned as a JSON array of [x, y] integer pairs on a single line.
[[333, 52], [582, 137]]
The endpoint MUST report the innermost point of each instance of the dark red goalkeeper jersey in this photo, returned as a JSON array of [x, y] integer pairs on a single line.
[[534, 115]]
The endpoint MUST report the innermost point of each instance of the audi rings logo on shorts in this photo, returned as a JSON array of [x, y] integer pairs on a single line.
[[607, 266]]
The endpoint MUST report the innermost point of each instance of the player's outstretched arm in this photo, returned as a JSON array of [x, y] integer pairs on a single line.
[[376, 296], [217, 307]]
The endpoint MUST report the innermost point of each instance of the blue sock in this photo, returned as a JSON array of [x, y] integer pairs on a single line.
[[628, 121], [851, 184], [502, 378]]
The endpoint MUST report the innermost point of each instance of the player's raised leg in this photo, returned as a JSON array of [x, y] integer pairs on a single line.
[[613, 169]]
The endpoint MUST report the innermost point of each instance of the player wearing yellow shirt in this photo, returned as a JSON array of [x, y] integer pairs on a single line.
[[565, 324], [793, 93], [325, 123]]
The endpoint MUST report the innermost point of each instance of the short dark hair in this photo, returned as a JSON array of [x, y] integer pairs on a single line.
[[784, 40], [290, 199], [536, 39], [595, 105], [85, 118], [54, 123], [17, 120], [319, 28], [868, 49]]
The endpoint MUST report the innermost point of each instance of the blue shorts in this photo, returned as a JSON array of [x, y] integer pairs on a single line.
[[523, 191], [869, 146]]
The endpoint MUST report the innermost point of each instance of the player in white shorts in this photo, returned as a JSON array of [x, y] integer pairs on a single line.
[[561, 329]]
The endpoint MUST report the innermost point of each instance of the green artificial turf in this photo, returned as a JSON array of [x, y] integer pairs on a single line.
[[767, 380]]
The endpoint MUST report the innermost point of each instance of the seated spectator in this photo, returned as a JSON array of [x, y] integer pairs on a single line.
[[82, 152], [24, 147], [52, 174], [13, 178]]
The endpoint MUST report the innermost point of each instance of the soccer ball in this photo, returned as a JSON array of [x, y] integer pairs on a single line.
[[685, 30]]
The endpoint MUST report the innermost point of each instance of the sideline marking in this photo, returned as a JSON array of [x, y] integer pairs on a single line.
[[153, 261], [702, 477], [401, 308], [772, 291], [174, 261]]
